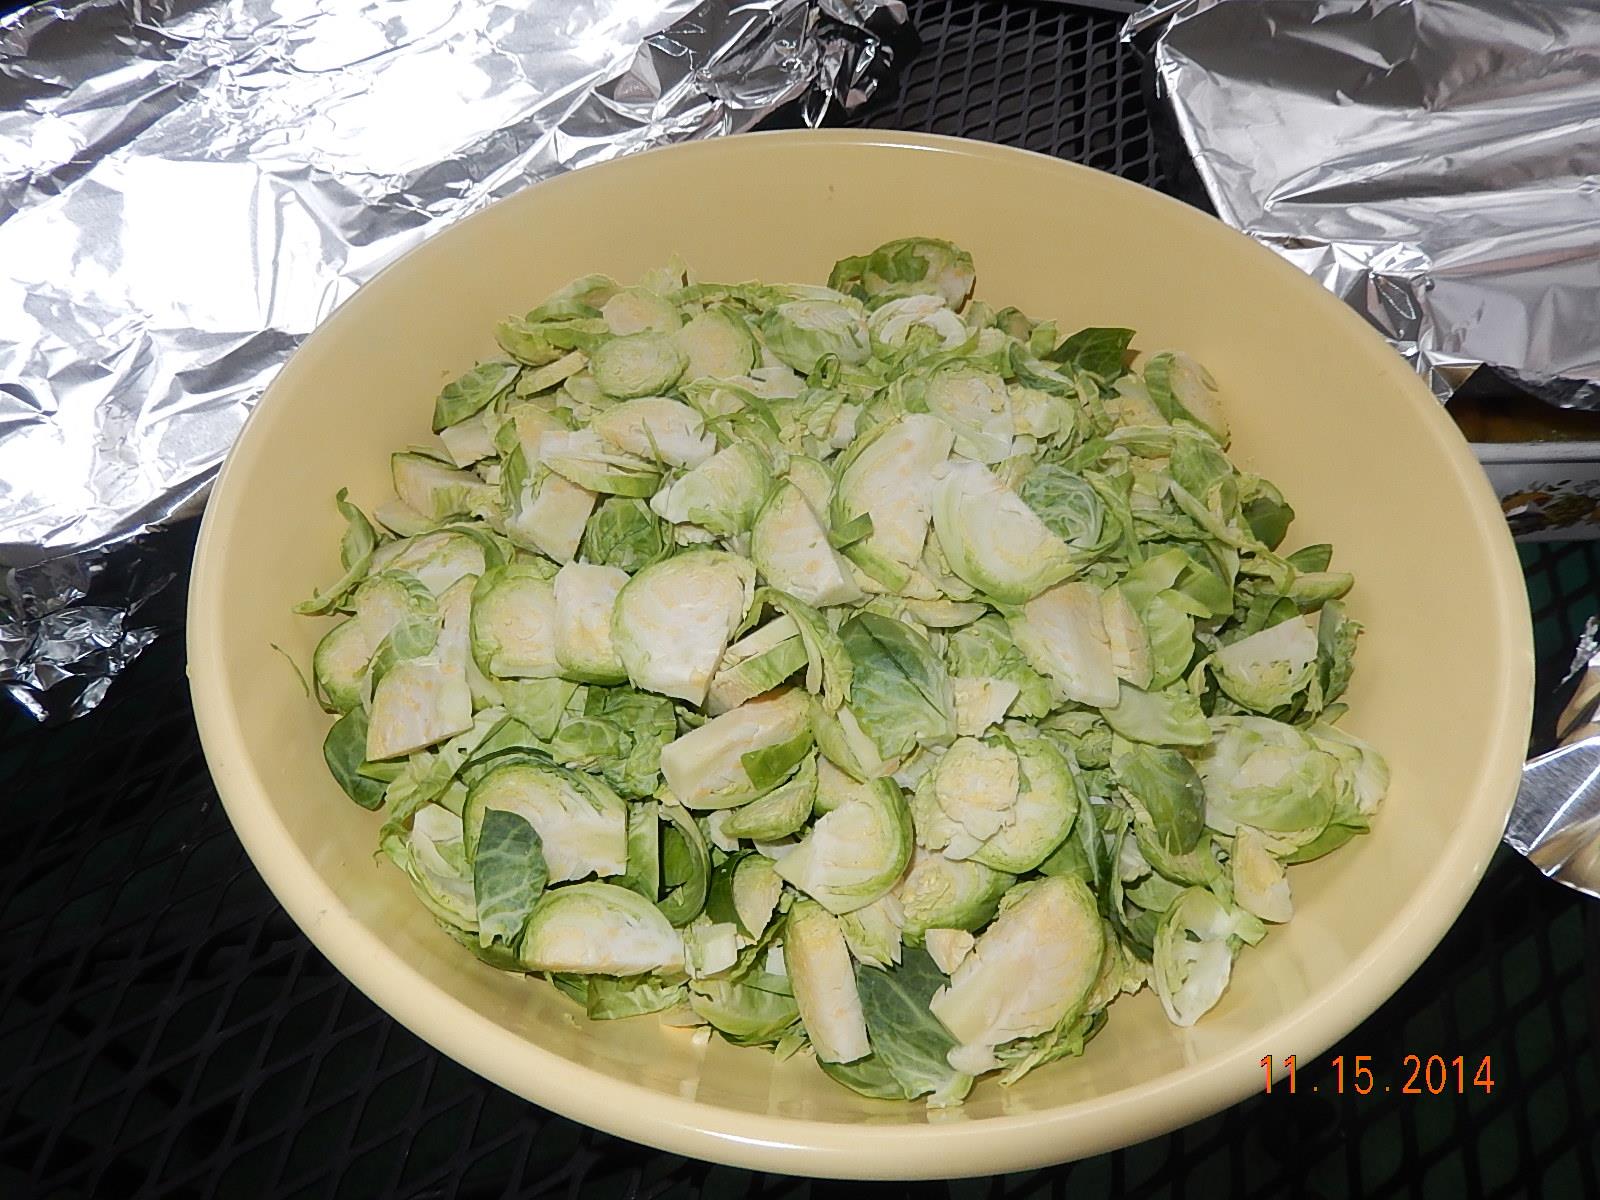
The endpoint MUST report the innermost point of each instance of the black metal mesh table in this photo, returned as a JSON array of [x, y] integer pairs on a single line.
[[166, 1030]]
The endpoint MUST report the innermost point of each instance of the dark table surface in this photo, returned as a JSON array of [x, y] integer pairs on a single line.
[[166, 1030]]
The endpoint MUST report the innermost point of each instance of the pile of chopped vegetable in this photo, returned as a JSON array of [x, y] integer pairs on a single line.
[[858, 669]]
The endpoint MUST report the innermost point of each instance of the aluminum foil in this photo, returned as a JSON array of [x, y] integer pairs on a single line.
[[1435, 163], [187, 187], [1556, 820]]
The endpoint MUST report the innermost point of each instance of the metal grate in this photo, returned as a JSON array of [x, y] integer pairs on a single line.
[[165, 1030]]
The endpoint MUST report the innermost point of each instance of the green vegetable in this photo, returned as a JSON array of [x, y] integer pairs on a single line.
[[862, 667]]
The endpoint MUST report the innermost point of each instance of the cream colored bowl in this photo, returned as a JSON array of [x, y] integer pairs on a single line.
[[1319, 404]]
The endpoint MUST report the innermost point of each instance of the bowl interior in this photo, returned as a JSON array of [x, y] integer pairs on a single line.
[[1318, 404]]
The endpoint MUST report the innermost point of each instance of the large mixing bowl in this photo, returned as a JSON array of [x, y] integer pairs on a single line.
[[1318, 404]]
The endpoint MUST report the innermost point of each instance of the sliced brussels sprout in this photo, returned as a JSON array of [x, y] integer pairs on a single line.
[[417, 703], [1264, 671], [541, 379], [431, 854], [913, 321], [514, 623], [824, 984], [471, 393], [968, 797], [639, 364], [472, 440], [639, 310], [756, 663], [722, 495], [801, 333], [1260, 884], [1169, 718], [436, 560], [854, 854], [718, 345], [985, 650], [582, 824], [908, 267], [583, 458], [992, 539], [709, 947], [789, 545], [725, 762], [745, 1014], [655, 428], [887, 477], [1062, 634], [673, 620], [1068, 504], [1183, 390], [585, 597], [873, 932], [949, 947], [1194, 948], [624, 533], [599, 929], [1267, 775], [1031, 967], [982, 703], [781, 812], [976, 405], [339, 663], [438, 491], [1047, 805]]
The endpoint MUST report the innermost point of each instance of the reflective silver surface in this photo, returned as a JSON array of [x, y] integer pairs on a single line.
[[1556, 820], [187, 187], [1436, 163]]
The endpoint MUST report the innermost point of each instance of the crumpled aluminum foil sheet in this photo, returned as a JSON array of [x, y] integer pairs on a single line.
[[188, 187], [1435, 163], [1555, 823]]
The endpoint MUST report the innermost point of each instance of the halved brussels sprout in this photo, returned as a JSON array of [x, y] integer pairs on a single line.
[[599, 929], [673, 620]]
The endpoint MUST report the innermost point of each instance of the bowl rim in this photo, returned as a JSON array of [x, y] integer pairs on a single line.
[[800, 1146]]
